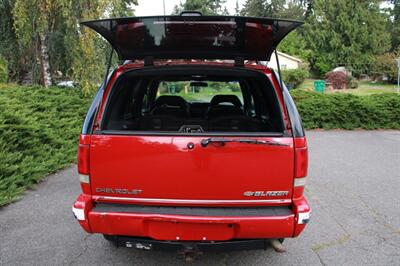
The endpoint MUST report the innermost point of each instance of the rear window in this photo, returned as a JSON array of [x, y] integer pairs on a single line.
[[202, 92], [189, 101]]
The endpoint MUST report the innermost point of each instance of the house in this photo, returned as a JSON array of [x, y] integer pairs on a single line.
[[285, 61]]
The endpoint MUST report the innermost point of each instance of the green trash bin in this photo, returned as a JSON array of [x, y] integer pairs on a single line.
[[319, 86]]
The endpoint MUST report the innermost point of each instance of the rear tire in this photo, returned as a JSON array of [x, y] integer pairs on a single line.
[[111, 239]]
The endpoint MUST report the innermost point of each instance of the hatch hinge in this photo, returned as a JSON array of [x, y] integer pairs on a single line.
[[148, 61], [239, 61]]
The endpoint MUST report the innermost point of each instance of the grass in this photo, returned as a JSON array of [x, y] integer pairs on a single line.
[[39, 129], [364, 87]]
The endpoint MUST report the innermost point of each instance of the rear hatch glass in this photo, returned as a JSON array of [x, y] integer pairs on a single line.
[[194, 37], [193, 100]]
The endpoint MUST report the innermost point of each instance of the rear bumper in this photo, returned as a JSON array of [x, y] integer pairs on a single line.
[[163, 225], [179, 246]]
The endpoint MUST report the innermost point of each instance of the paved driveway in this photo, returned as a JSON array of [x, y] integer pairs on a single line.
[[354, 189]]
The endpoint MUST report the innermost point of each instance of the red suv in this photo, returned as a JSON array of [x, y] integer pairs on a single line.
[[192, 144]]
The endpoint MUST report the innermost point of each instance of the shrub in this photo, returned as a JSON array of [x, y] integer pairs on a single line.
[[348, 111], [294, 77], [386, 65], [338, 79], [353, 84], [39, 130]]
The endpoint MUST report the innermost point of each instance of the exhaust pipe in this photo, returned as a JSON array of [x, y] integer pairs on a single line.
[[277, 245]]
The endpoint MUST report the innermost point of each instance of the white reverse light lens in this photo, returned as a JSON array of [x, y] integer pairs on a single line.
[[304, 217], [84, 178], [79, 213], [300, 182]]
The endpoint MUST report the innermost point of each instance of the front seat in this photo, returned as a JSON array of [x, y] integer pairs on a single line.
[[170, 105], [224, 105]]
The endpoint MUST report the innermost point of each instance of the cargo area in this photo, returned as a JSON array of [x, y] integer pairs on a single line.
[[193, 100]]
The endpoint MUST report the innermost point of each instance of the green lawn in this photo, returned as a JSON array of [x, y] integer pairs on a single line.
[[364, 87]]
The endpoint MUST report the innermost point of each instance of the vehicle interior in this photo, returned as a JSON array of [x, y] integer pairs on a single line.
[[193, 100]]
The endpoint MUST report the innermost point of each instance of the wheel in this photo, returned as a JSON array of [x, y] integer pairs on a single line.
[[111, 239]]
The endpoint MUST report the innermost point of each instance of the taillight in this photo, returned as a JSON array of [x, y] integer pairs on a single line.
[[301, 167], [83, 159], [84, 162], [301, 162]]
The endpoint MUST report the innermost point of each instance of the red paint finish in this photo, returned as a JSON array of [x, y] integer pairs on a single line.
[[164, 168]]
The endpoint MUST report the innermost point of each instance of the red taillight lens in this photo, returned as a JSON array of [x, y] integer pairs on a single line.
[[83, 159], [301, 167], [301, 162], [84, 155]]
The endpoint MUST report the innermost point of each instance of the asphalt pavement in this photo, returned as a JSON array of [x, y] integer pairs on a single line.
[[353, 188]]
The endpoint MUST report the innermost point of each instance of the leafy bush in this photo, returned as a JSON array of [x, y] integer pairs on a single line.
[[353, 84], [39, 130], [348, 111], [338, 79], [294, 77], [386, 65]]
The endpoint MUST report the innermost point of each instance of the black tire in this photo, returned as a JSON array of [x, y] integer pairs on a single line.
[[111, 239]]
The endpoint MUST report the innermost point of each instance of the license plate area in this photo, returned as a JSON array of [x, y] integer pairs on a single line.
[[186, 231]]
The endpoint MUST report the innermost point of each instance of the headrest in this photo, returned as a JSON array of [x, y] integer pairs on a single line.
[[233, 99], [170, 100]]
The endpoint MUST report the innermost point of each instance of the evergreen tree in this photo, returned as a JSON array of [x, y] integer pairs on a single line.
[[9, 48], [292, 9], [396, 25], [346, 32], [206, 7]]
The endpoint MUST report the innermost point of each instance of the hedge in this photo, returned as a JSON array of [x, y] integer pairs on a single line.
[[348, 111], [39, 129]]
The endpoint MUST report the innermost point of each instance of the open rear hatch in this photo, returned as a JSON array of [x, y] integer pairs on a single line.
[[193, 37]]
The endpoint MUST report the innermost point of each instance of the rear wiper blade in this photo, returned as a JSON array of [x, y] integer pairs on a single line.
[[222, 141]]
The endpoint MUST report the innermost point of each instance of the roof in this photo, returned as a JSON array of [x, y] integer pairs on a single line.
[[290, 57]]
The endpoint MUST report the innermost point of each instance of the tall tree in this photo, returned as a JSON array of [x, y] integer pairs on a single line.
[[48, 31], [33, 21], [346, 32], [9, 48], [206, 7], [396, 25], [293, 9]]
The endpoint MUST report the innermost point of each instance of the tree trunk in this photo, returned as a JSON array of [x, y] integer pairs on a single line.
[[45, 64]]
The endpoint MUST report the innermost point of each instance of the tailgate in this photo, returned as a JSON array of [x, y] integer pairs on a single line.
[[164, 169]]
